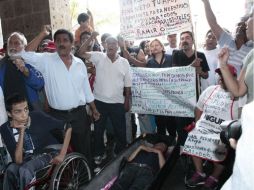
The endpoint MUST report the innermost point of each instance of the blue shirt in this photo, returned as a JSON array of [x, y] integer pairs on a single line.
[[167, 62], [39, 133], [34, 82]]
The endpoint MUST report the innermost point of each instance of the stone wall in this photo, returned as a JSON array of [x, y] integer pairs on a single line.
[[28, 16]]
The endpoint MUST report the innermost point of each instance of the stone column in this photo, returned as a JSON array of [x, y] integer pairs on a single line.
[[28, 16]]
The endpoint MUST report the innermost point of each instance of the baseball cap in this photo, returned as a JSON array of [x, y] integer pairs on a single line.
[[50, 46], [231, 68]]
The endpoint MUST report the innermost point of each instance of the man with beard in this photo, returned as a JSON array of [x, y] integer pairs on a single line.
[[16, 76], [67, 87], [184, 57], [239, 45]]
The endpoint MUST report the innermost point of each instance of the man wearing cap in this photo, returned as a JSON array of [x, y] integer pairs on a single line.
[[16, 76], [214, 106], [171, 43]]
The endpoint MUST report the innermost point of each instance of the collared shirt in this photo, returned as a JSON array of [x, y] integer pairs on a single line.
[[65, 89], [235, 56], [167, 62], [111, 78]]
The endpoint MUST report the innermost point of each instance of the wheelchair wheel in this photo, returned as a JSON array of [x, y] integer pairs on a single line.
[[71, 174]]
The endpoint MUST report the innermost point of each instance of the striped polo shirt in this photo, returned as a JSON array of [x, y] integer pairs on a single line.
[[236, 57]]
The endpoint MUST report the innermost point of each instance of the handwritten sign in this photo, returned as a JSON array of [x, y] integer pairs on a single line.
[[164, 91], [204, 140], [149, 18], [206, 146]]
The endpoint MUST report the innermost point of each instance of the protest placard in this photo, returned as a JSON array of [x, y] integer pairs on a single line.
[[149, 18], [164, 91], [205, 146]]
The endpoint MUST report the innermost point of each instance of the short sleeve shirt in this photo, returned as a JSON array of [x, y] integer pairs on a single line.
[[111, 78]]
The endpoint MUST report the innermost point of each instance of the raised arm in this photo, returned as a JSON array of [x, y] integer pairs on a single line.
[[82, 52], [236, 87], [33, 45], [212, 21], [91, 21]]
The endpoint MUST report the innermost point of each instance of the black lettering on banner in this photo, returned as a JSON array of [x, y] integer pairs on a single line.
[[214, 119]]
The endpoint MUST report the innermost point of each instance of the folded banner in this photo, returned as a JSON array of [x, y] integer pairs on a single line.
[[149, 18], [164, 91]]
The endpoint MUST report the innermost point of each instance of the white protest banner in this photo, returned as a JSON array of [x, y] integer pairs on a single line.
[[164, 91], [149, 18]]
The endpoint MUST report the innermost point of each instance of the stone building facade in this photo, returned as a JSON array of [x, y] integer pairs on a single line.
[[28, 16]]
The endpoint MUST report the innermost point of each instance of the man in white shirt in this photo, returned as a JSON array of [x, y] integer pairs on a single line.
[[66, 86], [112, 92], [172, 43], [211, 53]]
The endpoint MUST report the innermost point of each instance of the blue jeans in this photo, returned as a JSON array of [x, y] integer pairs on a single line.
[[19, 176], [116, 113]]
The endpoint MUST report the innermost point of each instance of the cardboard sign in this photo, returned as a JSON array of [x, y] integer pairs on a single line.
[[164, 91], [204, 144], [149, 18]]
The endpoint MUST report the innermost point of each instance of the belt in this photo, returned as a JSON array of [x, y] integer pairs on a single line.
[[140, 165], [73, 110]]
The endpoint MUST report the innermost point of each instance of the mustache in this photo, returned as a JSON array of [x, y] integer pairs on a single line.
[[61, 47], [185, 43], [12, 50]]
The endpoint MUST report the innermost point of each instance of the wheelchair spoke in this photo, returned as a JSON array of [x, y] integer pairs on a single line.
[[73, 173]]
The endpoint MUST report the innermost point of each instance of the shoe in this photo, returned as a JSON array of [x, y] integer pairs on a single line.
[[197, 179], [211, 183], [98, 159]]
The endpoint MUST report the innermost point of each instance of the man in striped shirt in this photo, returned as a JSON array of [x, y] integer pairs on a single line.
[[239, 45]]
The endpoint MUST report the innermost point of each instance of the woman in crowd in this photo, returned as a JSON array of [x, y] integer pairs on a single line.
[[215, 105], [159, 59]]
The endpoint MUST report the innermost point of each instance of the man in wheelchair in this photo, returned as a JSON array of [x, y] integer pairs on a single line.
[[26, 135]]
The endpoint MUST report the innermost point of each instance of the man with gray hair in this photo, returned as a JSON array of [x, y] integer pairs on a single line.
[[16, 76], [111, 91]]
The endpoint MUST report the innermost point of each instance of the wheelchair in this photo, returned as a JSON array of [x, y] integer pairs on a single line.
[[71, 174]]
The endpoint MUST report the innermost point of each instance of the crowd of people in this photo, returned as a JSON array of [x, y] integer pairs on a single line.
[[71, 82]]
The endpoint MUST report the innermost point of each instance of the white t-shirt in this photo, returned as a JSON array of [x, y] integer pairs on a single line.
[[65, 89], [217, 106], [169, 50], [111, 78], [243, 171], [212, 60]]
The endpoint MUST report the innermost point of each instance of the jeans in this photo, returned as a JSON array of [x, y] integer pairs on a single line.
[[133, 177], [18, 176], [116, 113]]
